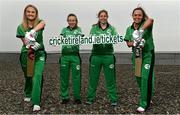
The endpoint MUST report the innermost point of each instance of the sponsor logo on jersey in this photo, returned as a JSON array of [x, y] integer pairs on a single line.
[[76, 32], [109, 31]]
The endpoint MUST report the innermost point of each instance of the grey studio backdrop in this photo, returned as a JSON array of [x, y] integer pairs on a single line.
[[166, 14]]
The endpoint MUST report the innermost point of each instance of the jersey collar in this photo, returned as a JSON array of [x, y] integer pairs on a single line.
[[72, 28], [105, 28]]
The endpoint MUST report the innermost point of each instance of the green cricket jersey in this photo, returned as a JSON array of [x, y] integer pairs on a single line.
[[102, 49], [68, 32], [39, 36], [149, 45]]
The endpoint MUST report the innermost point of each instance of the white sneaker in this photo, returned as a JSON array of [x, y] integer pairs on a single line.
[[140, 109], [114, 104], [151, 102], [36, 108], [27, 99]]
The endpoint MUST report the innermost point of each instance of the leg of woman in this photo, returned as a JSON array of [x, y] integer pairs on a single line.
[[37, 78], [94, 72], [147, 79], [110, 77], [28, 80], [76, 76], [64, 77]]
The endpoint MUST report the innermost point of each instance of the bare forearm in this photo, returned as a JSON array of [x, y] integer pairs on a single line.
[[148, 23], [40, 26], [23, 41]]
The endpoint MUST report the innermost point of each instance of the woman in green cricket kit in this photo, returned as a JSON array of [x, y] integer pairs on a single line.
[[139, 37], [70, 59], [102, 56], [33, 54]]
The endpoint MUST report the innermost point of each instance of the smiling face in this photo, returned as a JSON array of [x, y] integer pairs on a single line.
[[103, 17], [30, 14], [72, 21], [137, 16]]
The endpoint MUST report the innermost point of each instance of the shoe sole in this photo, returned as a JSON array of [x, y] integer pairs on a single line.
[[88, 103]]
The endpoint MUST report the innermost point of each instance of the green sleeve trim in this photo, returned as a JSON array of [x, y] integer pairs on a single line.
[[19, 36]]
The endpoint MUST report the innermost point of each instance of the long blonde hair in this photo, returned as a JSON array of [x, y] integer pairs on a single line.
[[25, 20]]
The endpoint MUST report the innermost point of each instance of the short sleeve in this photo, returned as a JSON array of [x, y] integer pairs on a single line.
[[62, 33], [92, 30], [80, 32], [20, 33], [40, 20], [150, 29], [127, 35], [114, 32]]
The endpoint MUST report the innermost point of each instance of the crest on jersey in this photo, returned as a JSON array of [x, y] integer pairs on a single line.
[[41, 58], [147, 66], [111, 66], [78, 67]]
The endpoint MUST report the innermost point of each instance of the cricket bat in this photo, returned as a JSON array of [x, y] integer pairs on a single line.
[[30, 63], [138, 61]]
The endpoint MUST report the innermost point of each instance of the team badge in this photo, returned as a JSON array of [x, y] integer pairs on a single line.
[[78, 67], [147, 66], [41, 58], [111, 66]]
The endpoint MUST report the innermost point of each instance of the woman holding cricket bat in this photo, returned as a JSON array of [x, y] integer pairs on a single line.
[[70, 60], [139, 37], [33, 54]]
